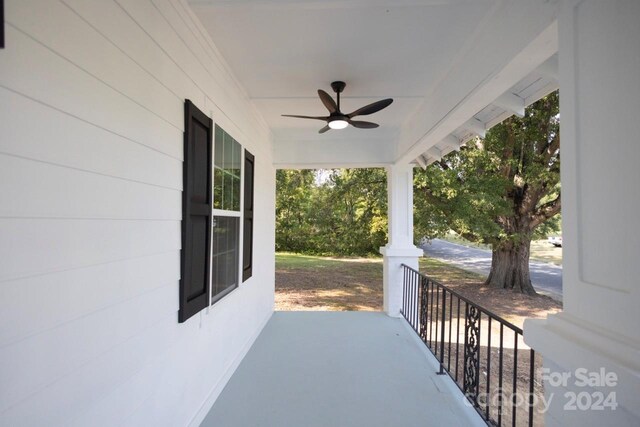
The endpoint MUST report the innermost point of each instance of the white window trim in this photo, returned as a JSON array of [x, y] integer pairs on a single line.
[[222, 212], [227, 213]]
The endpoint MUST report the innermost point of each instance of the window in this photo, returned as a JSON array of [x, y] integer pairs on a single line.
[[226, 210], [215, 170]]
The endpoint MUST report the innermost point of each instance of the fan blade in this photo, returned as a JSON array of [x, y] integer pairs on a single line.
[[328, 101], [371, 108], [324, 129], [305, 117], [363, 125]]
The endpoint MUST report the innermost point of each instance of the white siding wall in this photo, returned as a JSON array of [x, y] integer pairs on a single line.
[[91, 122]]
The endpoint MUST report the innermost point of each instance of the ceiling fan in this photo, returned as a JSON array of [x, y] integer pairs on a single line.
[[338, 120]]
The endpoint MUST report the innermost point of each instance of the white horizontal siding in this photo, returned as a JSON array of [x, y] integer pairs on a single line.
[[28, 370], [39, 246], [39, 189], [70, 294], [91, 146], [109, 154], [113, 22], [51, 79], [90, 51], [73, 393]]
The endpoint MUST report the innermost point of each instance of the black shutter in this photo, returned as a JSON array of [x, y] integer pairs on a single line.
[[1, 24], [247, 241], [196, 212]]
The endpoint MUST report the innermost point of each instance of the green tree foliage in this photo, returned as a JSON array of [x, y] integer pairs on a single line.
[[295, 194], [501, 191], [344, 214]]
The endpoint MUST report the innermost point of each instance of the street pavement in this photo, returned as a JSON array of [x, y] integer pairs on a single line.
[[546, 277]]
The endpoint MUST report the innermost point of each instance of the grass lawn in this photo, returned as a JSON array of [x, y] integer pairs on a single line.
[[306, 282], [541, 250]]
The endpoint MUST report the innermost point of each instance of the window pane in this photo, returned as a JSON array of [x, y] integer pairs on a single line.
[[219, 137], [227, 191], [226, 182], [235, 202], [225, 254], [218, 175]]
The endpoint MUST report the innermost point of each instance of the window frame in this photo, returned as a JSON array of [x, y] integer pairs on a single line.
[[214, 298]]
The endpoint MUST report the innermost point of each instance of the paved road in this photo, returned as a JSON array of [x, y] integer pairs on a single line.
[[546, 277]]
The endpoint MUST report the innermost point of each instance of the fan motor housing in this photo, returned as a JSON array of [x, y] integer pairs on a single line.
[[338, 87]]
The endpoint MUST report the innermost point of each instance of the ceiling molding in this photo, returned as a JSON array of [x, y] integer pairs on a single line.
[[327, 4]]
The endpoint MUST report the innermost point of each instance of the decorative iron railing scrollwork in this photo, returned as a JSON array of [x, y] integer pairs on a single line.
[[494, 375], [424, 283], [471, 353]]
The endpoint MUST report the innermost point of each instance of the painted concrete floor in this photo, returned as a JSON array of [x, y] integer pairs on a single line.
[[339, 369]]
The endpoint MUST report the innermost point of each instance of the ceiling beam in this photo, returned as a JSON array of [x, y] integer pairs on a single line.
[[435, 153], [512, 103], [549, 68], [476, 126], [452, 141], [422, 162]]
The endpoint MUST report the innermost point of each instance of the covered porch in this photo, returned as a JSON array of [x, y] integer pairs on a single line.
[[94, 145], [339, 368]]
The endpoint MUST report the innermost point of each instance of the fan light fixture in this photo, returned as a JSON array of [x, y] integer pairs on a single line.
[[338, 124], [336, 119]]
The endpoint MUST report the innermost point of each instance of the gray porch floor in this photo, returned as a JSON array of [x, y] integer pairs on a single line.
[[339, 369]]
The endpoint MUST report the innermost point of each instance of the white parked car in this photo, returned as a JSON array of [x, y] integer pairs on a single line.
[[555, 241]]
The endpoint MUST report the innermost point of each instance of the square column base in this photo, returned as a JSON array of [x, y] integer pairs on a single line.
[[595, 364], [394, 257]]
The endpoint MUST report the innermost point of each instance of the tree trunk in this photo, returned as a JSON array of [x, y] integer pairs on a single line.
[[510, 267]]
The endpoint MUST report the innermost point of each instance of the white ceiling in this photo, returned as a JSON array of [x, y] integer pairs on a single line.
[[283, 51]]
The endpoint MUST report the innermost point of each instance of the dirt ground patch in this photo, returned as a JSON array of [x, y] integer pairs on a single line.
[[306, 283], [512, 306]]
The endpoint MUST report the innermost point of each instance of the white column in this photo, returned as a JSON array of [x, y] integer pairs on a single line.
[[599, 57], [400, 249]]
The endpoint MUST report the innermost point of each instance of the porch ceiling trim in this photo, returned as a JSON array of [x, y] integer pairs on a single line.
[[531, 75], [535, 86]]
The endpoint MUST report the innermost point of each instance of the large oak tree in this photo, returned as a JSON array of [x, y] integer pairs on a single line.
[[501, 191]]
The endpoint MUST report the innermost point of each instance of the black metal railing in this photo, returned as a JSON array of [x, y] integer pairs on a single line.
[[500, 379]]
